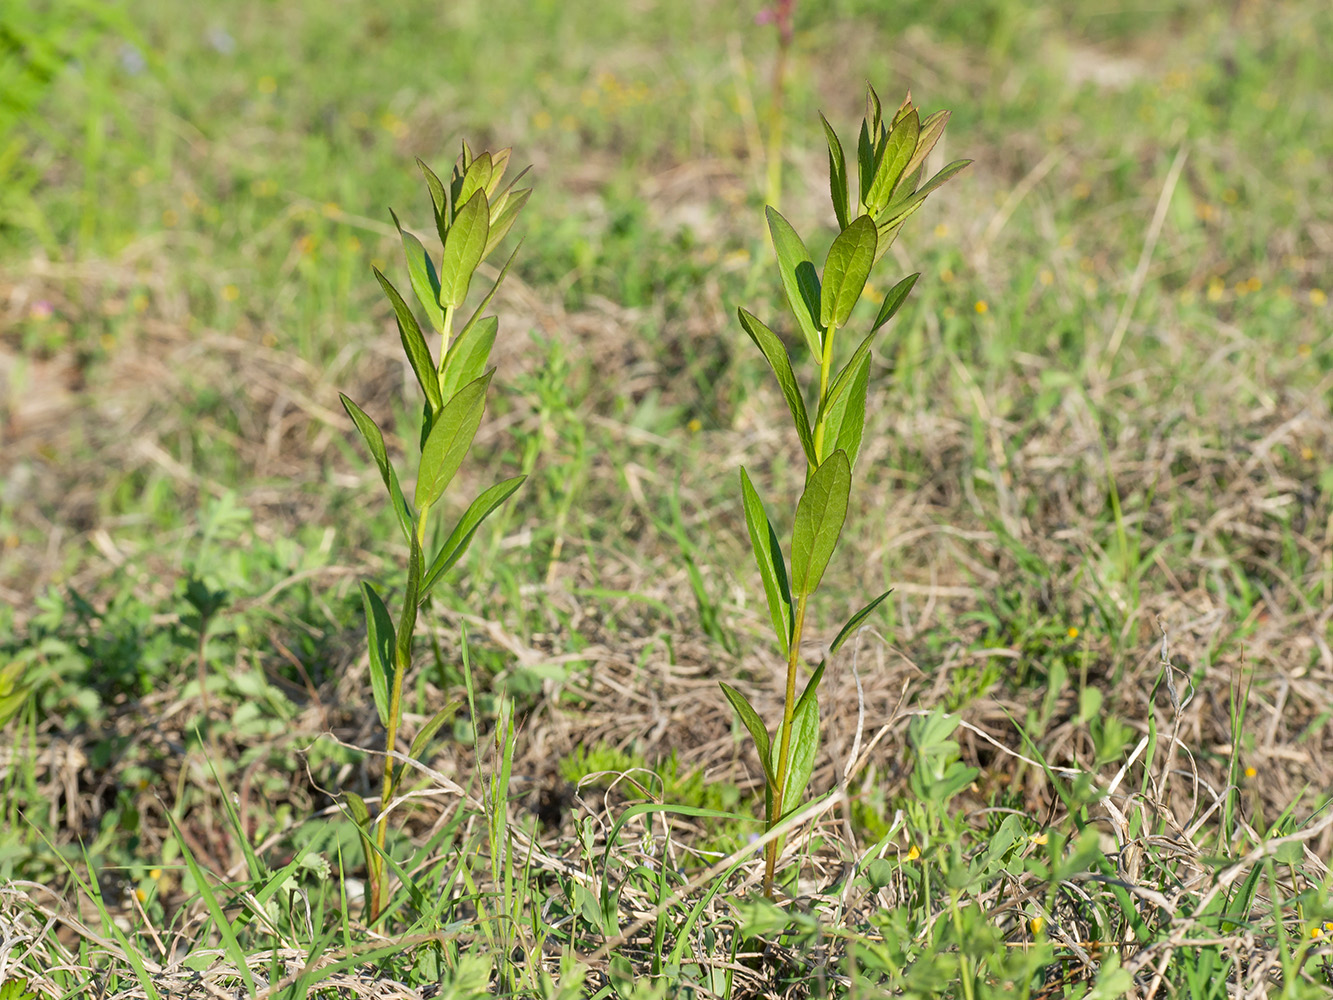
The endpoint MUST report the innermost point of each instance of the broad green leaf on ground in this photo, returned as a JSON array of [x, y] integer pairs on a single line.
[[461, 537], [381, 640], [799, 280], [463, 250], [894, 300], [750, 719], [898, 151], [370, 433], [425, 282], [414, 343], [450, 439], [837, 175], [772, 563], [845, 271], [820, 514], [467, 355], [768, 342]]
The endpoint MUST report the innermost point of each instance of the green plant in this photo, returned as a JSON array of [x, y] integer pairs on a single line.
[[472, 216], [891, 159]]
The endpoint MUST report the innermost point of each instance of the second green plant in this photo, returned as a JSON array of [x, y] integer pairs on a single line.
[[472, 215], [890, 158]]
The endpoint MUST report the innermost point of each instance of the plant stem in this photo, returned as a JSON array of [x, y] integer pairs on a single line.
[[445, 333], [784, 751], [402, 663]]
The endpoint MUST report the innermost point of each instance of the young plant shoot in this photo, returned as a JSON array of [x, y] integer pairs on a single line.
[[472, 215], [890, 160]]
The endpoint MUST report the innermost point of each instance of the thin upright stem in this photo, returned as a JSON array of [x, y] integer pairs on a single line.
[[784, 746], [446, 333]]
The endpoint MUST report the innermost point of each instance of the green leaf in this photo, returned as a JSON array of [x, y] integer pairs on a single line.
[[370, 433], [13, 692], [481, 307], [428, 731], [898, 151], [837, 175], [820, 514], [874, 110], [477, 178], [931, 130], [504, 220], [811, 687], [439, 198], [854, 622], [414, 343], [900, 209], [461, 537], [799, 279], [468, 354], [894, 300], [463, 250], [888, 233], [852, 419], [772, 563], [845, 271], [758, 731], [768, 342], [804, 748], [499, 164], [425, 282], [450, 439], [865, 160], [381, 639]]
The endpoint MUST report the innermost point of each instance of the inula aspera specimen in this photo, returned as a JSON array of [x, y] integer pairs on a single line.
[[472, 215], [890, 158]]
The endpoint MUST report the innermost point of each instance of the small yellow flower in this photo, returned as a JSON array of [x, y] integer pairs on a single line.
[[1316, 932], [1046, 277], [1073, 632], [913, 853], [332, 210], [695, 425], [107, 341], [155, 874], [1318, 297], [1038, 924], [1250, 772], [1216, 289], [139, 302], [1082, 190], [1039, 839], [1231, 196], [541, 121], [170, 218], [941, 230], [981, 306], [140, 895], [266, 85], [946, 275], [230, 293], [1307, 453]]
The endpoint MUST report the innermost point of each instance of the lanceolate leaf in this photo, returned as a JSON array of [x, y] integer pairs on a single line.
[[450, 439], [852, 422], [897, 152], [439, 198], [900, 209], [461, 537], [758, 731], [381, 640], [837, 174], [414, 343], [468, 355], [931, 130], [425, 282], [854, 622], [499, 164], [481, 307], [776, 354], [504, 221], [820, 514], [799, 280], [772, 563], [463, 250], [804, 747], [865, 161], [477, 178], [370, 433], [427, 733], [894, 300], [811, 686], [845, 271]]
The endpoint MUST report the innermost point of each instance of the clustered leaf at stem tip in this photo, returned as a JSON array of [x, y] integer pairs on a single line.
[[890, 158], [473, 214]]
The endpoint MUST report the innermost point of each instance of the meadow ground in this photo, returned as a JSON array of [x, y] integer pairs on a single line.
[[1097, 474]]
